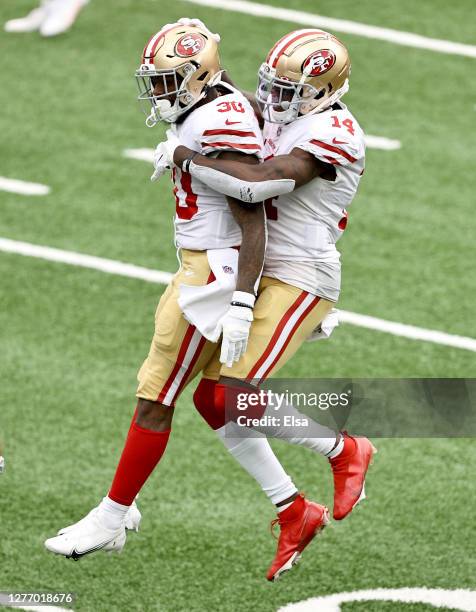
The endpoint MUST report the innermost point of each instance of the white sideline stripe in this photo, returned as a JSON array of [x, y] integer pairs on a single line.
[[23, 187], [111, 266], [407, 39], [372, 142]]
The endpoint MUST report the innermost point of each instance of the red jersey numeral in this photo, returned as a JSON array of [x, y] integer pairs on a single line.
[[191, 207], [348, 123], [271, 209], [226, 107]]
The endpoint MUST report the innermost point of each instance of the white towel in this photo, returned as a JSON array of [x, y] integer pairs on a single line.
[[204, 306], [326, 327]]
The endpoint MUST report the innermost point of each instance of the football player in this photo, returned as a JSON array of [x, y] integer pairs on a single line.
[[315, 155], [180, 79]]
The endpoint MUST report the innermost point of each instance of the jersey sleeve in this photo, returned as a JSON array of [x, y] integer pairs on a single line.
[[231, 126], [333, 145]]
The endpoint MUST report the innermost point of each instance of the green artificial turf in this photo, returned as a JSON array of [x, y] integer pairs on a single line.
[[71, 340]]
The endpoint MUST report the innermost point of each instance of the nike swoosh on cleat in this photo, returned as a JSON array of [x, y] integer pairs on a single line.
[[228, 122], [76, 555], [335, 141]]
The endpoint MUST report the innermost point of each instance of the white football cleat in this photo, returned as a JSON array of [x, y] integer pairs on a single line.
[[30, 23], [61, 16], [132, 519], [87, 536]]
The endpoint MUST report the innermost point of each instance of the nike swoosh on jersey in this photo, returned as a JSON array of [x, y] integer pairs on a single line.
[[228, 122], [335, 141]]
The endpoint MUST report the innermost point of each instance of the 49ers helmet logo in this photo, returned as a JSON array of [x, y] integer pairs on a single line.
[[319, 62], [189, 45]]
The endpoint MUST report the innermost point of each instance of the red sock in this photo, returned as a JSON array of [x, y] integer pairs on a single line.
[[142, 452]]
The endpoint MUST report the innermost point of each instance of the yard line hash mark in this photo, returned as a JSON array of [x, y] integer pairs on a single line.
[[399, 37], [111, 266], [23, 187]]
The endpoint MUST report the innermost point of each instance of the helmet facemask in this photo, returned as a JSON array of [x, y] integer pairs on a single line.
[[283, 100], [175, 98]]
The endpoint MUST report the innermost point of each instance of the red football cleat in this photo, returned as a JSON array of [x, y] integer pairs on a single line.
[[299, 524], [349, 469]]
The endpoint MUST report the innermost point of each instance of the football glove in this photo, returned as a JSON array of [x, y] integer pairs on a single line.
[[326, 327], [164, 155], [185, 21], [235, 326]]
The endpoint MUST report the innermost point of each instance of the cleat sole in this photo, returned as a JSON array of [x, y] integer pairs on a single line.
[[296, 557], [287, 566]]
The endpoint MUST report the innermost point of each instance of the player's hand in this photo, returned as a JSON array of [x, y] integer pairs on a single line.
[[236, 328], [164, 155], [185, 21]]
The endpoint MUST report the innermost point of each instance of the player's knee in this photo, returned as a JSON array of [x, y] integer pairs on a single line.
[[238, 398], [154, 416], [205, 400]]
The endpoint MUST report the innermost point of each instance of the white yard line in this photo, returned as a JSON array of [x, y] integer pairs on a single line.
[[23, 187], [146, 155], [379, 142], [407, 331], [111, 266], [407, 39]]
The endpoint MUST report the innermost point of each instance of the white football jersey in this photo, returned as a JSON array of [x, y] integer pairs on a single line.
[[304, 226], [203, 218]]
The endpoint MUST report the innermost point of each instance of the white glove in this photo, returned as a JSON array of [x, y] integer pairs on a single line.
[[185, 21], [325, 327], [164, 154], [236, 328]]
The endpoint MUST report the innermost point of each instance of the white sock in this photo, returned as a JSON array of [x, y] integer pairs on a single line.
[[112, 514], [314, 436], [337, 450], [255, 455], [284, 506]]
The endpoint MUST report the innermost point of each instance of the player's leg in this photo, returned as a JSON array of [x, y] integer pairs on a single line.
[[177, 353], [285, 316], [252, 451], [299, 518]]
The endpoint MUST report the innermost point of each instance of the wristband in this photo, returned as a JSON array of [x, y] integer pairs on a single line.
[[186, 163], [242, 298], [242, 304]]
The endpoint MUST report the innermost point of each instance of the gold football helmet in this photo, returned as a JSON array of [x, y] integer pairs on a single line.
[[305, 72], [178, 66]]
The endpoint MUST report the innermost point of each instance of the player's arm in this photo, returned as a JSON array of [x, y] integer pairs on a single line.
[[237, 321], [251, 221], [253, 183]]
